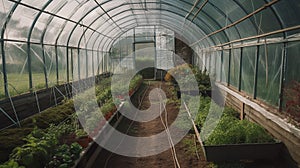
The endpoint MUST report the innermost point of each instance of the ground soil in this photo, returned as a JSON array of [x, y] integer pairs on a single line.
[[186, 157], [188, 150]]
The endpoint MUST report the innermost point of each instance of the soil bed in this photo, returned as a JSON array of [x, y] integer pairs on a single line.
[[186, 157]]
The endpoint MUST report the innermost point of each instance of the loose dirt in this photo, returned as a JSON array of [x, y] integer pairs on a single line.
[[188, 156]]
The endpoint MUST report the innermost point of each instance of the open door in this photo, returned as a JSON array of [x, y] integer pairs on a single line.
[[145, 57]]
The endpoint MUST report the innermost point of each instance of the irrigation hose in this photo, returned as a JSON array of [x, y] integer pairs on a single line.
[[165, 124]]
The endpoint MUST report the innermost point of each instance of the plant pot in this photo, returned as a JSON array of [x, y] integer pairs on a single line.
[[108, 115], [83, 141], [131, 92], [90, 139], [236, 152], [68, 139]]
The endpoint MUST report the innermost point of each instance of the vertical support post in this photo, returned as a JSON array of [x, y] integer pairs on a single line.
[[240, 71], [98, 63], [242, 112], [72, 65], [56, 59], [104, 62], [29, 48], [215, 66], [44, 66], [229, 67], [93, 63], [87, 63], [29, 66], [2, 46], [221, 68], [78, 62], [155, 54], [68, 71], [256, 73], [282, 76], [120, 55], [133, 48], [4, 69]]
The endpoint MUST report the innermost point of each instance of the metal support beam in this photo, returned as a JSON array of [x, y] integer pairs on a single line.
[[256, 73], [57, 70], [229, 67], [238, 21], [29, 48], [78, 62], [240, 71], [155, 54], [221, 68], [44, 66], [3, 49], [282, 76]]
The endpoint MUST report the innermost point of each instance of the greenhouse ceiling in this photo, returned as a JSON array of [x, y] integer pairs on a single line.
[[95, 24]]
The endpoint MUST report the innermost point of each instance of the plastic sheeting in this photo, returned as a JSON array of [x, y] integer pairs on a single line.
[[45, 42]]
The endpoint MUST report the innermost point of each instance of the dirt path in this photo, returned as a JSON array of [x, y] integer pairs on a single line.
[[185, 150]]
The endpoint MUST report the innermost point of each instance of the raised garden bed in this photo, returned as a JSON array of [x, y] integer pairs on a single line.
[[236, 152], [18, 143], [234, 139], [114, 119]]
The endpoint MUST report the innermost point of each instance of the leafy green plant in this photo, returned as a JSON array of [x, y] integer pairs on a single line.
[[203, 79], [40, 145], [80, 133], [35, 152], [192, 149], [108, 107], [91, 124], [233, 131], [65, 156], [230, 130], [11, 164], [104, 96], [54, 115]]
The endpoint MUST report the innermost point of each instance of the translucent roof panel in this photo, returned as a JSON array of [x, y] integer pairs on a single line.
[[212, 22], [5, 7], [21, 21]]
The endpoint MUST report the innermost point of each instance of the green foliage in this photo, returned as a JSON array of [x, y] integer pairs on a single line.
[[104, 96], [192, 149], [120, 89], [65, 156], [108, 107], [135, 82], [92, 121], [230, 130], [11, 164], [14, 137], [203, 79], [40, 145], [80, 133], [53, 115], [10, 139]]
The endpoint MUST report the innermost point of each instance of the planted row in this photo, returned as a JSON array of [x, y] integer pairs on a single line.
[[187, 74], [47, 148], [90, 114], [229, 130], [16, 137], [13, 137]]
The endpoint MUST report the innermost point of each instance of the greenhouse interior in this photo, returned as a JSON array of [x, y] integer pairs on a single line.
[[150, 83]]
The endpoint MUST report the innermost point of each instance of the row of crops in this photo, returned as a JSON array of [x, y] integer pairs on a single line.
[[55, 137]]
